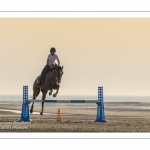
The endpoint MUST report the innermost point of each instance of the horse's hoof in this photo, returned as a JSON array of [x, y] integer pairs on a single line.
[[54, 95], [31, 110], [50, 93], [41, 113]]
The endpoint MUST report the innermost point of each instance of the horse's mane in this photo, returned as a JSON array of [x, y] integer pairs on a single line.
[[56, 68], [59, 67]]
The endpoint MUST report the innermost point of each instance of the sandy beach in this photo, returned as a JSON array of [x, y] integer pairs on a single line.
[[120, 119]]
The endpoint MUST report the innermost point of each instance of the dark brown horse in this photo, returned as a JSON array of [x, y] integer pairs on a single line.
[[52, 81]]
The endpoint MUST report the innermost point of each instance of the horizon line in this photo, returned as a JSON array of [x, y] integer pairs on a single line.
[[73, 11], [79, 95]]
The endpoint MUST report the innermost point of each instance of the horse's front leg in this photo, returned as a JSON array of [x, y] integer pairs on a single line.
[[57, 90], [51, 91], [44, 92]]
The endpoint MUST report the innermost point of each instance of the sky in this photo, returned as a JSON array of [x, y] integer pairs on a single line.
[[109, 52]]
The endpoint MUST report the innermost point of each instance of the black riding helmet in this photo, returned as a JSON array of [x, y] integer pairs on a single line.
[[52, 49]]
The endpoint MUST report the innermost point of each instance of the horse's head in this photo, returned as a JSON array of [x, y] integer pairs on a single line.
[[58, 74]]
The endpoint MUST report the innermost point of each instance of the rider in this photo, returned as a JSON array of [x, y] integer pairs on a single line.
[[49, 65]]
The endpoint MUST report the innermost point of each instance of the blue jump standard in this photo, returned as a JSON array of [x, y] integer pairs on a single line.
[[25, 115]]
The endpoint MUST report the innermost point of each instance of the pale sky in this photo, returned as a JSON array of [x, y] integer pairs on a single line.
[[109, 52]]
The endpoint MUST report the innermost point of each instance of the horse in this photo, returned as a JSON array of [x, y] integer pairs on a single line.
[[51, 82]]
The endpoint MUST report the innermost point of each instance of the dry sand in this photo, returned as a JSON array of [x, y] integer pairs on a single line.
[[77, 120]]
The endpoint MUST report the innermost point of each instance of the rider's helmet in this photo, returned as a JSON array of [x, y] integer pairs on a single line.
[[52, 49]]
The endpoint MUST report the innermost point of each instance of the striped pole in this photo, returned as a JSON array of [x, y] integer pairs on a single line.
[[64, 101]]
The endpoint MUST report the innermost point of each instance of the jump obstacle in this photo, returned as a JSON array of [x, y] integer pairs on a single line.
[[25, 115]]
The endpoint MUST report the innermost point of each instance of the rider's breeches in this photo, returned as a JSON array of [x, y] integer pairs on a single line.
[[45, 70]]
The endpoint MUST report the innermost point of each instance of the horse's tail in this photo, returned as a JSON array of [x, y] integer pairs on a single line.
[[36, 89]]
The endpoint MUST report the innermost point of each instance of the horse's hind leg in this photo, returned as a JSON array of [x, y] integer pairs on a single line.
[[36, 92], [44, 92]]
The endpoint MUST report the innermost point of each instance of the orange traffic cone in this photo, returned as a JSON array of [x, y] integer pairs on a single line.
[[58, 115]]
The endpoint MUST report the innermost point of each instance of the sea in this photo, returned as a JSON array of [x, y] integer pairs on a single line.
[[129, 102]]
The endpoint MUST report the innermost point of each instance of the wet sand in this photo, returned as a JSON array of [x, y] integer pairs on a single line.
[[119, 119]]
